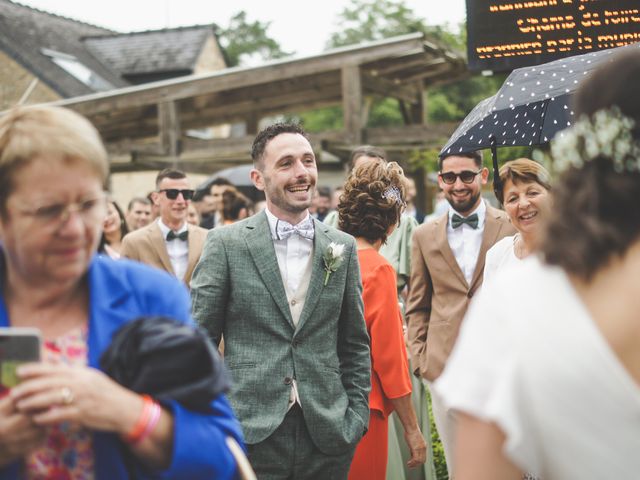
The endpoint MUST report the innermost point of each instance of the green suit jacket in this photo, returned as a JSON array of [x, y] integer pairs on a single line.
[[237, 292]]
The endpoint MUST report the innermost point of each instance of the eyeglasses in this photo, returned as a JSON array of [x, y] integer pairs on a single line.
[[51, 217], [172, 193], [467, 176]]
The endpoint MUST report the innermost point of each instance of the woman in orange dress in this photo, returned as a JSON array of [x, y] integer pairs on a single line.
[[370, 209]]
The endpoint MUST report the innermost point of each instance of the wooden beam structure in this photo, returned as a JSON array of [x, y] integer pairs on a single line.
[[148, 126]]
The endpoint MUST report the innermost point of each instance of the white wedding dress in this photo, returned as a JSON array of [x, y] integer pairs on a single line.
[[530, 358]]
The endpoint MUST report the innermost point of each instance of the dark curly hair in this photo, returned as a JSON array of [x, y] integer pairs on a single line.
[[268, 134], [596, 216], [367, 208]]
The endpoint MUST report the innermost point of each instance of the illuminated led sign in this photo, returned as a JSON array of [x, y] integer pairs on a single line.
[[503, 35]]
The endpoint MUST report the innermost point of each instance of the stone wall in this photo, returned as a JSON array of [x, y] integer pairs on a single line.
[[15, 80]]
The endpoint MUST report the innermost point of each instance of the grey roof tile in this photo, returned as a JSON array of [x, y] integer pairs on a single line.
[[151, 51], [25, 32]]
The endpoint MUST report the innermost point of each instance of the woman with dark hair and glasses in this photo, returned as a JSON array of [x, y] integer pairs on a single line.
[[549, 382]]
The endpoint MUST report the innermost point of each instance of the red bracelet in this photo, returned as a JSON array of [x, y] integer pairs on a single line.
[[138, 430], [154, 418]]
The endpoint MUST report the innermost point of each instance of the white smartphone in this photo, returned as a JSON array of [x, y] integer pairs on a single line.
[[17, 345]]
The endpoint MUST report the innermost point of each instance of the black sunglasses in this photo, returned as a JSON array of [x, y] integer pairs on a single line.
[[172, 193], [467, 176]]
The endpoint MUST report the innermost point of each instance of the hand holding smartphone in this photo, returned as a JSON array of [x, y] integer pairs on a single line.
[[17, 345]]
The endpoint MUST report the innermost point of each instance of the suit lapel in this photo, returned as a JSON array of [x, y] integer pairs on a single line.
[[195, 249], [442, 242], [157, 242], [260, 246], [316, 284], [489, 236]]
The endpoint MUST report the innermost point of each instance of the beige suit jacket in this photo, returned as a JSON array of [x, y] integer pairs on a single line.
[[147, 245], [439, 293]]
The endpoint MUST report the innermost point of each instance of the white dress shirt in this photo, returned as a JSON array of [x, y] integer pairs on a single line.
[[292, 253], [465, 242], [178, 250]]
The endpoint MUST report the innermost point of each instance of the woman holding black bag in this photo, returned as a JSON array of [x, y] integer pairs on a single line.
[[66, 418]]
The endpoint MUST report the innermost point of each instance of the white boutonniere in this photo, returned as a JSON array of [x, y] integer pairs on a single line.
[[332, 259]]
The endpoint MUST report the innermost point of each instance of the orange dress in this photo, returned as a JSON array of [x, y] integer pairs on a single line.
[[389, 364]]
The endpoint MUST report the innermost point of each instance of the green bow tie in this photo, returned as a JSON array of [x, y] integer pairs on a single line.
[[173, 235], [471, 220]]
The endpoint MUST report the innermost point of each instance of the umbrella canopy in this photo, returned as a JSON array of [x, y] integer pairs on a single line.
[[532, 105], [239, 176]]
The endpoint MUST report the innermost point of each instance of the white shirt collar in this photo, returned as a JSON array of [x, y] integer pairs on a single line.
[[164, 229], [273, 221], [481, 211]]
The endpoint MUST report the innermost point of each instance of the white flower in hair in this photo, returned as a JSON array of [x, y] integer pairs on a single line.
[[607, 133]]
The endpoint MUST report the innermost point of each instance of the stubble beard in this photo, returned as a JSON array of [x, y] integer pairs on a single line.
[[280, 201]]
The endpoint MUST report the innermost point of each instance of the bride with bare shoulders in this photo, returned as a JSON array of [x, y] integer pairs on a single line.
[[549, 382]]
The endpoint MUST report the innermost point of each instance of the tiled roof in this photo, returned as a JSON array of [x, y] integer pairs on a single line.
[[25, 32], [152, 51]]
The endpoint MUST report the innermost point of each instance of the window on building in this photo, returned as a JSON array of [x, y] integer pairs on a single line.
[[78, 70]]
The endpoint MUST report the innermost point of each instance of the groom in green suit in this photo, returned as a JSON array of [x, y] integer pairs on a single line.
[[284, 291]]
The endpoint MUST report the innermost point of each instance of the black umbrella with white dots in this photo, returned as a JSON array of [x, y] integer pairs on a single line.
[[532, 106]]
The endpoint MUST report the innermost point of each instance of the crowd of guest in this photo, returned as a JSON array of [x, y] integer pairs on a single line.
[[338, 313]]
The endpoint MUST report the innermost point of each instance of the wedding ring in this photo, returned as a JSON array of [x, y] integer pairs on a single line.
[[67, 396]]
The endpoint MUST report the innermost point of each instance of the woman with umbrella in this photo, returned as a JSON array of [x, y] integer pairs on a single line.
[[549, 382], [524, 192]]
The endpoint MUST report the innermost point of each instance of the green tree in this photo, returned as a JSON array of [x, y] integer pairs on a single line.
[[368, 20], [243, 38], [374, 20]]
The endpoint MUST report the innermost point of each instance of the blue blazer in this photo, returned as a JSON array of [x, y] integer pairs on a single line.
[[121, 291]]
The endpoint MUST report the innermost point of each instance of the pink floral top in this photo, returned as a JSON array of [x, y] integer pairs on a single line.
[[67, 453]]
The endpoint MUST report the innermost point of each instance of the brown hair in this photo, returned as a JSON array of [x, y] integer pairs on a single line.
[[232, 204], [268, 134], [367, 209], [27, 133], [365, 151], [596, 216], [171, 173], [523, 170]]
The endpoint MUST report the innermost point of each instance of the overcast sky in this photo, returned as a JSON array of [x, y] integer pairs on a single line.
[[302, 27]]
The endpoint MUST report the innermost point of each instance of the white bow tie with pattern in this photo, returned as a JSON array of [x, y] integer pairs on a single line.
[[305, 229]]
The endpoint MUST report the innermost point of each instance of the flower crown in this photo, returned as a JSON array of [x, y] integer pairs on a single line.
[[606, 133]]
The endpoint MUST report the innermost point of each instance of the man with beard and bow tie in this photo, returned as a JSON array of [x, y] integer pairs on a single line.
[[169, 243], [284, 291], [447, 262]]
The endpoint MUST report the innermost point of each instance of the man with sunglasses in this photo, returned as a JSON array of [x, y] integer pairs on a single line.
[[169, 243], [447, 263]]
